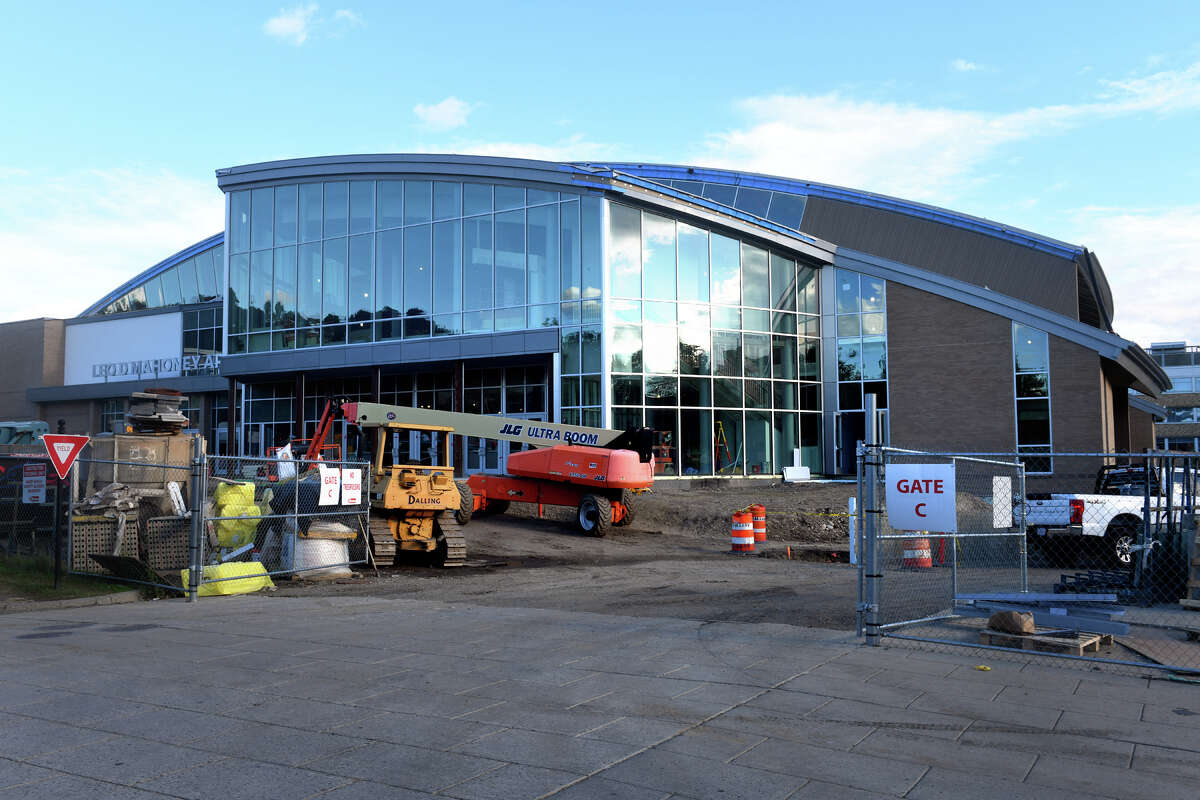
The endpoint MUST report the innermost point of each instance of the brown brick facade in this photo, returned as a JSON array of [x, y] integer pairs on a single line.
[[950, 377], [31, 355]]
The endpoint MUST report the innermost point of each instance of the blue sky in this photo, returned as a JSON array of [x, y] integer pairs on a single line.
[[1080, 121]]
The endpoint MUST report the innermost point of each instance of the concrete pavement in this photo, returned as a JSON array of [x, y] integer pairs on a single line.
[[344, 698]]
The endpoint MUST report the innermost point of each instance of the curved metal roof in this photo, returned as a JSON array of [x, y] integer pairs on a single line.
[[871, 199], [157, 269]]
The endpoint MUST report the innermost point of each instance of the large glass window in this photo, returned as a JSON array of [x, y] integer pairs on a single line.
[[1031, 380], [658, 257]]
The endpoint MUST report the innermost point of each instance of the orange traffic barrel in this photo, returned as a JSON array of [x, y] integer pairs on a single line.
[[742, 532], [917, 554], [759, 512]]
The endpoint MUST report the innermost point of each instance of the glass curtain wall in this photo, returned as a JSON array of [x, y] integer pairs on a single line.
[[1031, 377], [714, 345], [355, 261], [194, 280], [860, 317]]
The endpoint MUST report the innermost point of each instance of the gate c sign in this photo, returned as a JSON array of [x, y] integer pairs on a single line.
[[920, 497]]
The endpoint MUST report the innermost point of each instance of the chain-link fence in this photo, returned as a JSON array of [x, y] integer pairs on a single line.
[[133, 502], [1096, 554], [296, 518], [28, 485]]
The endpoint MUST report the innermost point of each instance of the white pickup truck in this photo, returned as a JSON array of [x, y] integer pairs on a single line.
[[1110, 518]]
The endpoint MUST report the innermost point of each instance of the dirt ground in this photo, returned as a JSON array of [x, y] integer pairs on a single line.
[[674, 560]]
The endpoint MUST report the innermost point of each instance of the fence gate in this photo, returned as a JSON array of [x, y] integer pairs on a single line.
[[1100, 548]]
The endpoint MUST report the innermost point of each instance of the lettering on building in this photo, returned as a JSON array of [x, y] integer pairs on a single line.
[[153, 367]]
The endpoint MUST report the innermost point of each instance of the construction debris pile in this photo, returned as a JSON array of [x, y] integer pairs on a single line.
[[157, 411]]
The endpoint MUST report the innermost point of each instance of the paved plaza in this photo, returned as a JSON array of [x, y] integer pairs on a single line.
[[346, 698]]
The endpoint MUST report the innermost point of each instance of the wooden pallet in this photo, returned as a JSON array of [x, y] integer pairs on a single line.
[[1076, 644]]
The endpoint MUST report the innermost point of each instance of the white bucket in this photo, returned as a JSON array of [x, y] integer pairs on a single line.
[[321, 558]]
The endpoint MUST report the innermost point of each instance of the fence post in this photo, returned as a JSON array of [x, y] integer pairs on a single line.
[[1024, 540], [871, 455], [196, 499]]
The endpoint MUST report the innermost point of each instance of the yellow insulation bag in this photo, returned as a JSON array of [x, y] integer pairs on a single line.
[[247, 576], [227, 493], [236, 532]]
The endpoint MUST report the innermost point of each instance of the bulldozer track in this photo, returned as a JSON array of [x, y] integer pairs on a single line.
[[446, 529]]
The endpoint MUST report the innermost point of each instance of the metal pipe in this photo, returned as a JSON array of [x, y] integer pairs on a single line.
[[872, 455], [195, 496], [1027, 653]]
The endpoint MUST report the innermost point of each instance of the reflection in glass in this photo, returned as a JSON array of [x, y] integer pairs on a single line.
[[262, 210], [542, 254], [727, 353], [284, 312], [285, 214], [658, 256], [571, 277], [447, 265], [510, 259], [625, 255], [847, 292], [336, 205], [662, 390], [310, 212], [693, 263], [755, 288], [333, 287], [477, 268], [661, 349], [390, 204], [239, 222], [418, 270], [1030, 349], [783, 282], [359, 290], [477, 198], [362, 206], [447, 200], [626, 348], [418, 202], [308, 285], [726, 270]]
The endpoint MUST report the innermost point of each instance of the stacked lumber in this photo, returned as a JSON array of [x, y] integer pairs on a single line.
[[1191, 597], [157, 412], [1094, 613]]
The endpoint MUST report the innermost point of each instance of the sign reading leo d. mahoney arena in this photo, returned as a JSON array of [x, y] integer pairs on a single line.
[[921, 497]]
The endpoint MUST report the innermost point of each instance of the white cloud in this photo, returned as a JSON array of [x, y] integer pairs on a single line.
[[447, 115], [291, 25], [572, 148], [295, 25], [1149, 257], [962, 65], [912, 151], [90, 232]]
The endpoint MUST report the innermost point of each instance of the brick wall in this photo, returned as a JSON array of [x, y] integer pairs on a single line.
[[31, 355], [950, 376]]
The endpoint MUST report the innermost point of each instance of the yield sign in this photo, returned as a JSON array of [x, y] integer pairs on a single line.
[[63, 450]]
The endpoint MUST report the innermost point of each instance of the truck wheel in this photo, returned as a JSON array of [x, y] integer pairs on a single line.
[[466, 503], [595, 515], [627, 501], [1118, 541]]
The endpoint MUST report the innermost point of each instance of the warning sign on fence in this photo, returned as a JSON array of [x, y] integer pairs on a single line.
[[331, 485], [33, 483], [351, 487]]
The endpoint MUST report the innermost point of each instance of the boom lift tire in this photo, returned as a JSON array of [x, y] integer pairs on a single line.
[[627, 500], [466, 504], [595, 515], [496, 507]]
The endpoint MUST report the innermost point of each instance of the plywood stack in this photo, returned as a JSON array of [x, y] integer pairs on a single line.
[[156, 412]]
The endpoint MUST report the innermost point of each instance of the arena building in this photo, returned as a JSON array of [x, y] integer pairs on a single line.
[[742, 317]]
